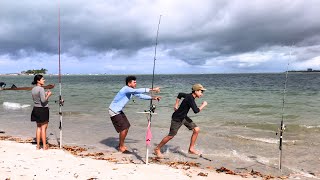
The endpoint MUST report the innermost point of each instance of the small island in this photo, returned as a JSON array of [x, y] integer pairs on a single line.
[[35, 71]]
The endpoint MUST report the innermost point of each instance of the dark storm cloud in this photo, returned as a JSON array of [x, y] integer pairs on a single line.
[[192, 31], [33, 27], [24, 28], [247, 26]]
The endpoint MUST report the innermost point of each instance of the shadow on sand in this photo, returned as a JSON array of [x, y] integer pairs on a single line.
[[114, 143]]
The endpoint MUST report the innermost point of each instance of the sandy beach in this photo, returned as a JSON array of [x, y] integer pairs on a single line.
[[23, 161], [238, 129]]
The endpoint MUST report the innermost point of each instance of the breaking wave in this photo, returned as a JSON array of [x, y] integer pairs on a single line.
[[12, 105]]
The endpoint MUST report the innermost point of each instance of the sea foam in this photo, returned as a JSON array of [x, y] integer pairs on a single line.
[[12, 105]]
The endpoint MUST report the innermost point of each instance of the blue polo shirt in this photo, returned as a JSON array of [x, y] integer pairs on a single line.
[[124, 96]]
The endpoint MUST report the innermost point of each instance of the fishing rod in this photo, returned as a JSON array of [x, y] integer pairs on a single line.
[[60, 86], [152, 107], [282, 126]]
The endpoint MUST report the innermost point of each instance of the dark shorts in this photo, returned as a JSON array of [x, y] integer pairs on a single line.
[[40, 114], [120, 122], [177, 123]]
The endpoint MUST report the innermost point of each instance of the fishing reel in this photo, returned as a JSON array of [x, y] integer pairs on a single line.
[[152, 108], [281, 129], [61, 102]]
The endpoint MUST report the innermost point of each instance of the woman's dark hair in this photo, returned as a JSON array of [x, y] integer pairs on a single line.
[[36, 78], [130, 78]]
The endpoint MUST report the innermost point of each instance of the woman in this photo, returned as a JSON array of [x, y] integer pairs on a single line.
[[40, 112]]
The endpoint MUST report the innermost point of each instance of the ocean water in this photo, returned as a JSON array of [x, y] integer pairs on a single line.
[[237, 128]]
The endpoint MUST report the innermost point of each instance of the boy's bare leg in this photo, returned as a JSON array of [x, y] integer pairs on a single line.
[[193, 141], [122, 137], [164, 141]]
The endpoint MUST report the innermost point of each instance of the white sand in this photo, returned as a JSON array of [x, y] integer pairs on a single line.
[[23, 161]]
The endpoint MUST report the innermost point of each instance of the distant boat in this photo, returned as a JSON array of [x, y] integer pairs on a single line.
[[13, 87]]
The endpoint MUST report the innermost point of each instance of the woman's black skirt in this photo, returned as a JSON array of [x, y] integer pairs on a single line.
[[40, 114]]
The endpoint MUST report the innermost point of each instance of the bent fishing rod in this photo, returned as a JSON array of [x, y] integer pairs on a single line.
[[152, 107]]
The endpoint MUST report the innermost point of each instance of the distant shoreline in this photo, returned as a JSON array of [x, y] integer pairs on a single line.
[[301, 71], [314, 71]]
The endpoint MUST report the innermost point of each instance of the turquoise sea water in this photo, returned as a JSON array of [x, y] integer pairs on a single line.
[[238, 127]]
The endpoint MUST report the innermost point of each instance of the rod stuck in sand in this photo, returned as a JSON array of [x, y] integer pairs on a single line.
[[152, 106]]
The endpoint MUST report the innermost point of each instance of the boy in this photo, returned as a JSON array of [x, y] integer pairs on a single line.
[[180, 116], [118, 118]]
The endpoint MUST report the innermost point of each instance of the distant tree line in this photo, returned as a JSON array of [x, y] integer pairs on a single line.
[[36, 71], [308, 70]]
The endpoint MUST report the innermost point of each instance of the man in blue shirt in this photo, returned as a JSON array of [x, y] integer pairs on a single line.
[[180, 117], [118, 118]]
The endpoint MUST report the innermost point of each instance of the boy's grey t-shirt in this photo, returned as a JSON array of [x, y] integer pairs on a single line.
[[39, 97]]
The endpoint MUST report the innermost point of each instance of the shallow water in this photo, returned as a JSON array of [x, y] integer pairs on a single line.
[[238, 127]]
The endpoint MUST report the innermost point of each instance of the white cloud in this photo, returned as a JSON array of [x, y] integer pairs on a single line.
[[312, 63]]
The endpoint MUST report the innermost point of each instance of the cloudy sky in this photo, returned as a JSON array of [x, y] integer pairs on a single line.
[[118, 37]]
